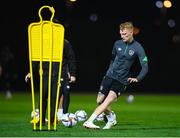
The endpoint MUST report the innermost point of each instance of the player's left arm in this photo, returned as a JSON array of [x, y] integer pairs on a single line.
[[71, 59], [144, 63]]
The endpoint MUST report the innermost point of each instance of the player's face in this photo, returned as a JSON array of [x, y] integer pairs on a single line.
[[126, 35]]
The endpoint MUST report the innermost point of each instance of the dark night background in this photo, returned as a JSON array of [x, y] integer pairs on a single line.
[[92, 41]]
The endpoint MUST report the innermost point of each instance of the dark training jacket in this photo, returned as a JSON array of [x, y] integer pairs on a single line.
[[69, 61], [123, 56]]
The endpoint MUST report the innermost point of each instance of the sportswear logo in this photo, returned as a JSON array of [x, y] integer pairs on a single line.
[[145, 59], [131, 52], [119, 49]]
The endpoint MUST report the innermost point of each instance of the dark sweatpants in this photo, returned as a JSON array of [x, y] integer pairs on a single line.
[[65, 91]]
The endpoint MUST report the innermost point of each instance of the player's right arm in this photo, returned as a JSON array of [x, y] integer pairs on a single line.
[[113, 54]]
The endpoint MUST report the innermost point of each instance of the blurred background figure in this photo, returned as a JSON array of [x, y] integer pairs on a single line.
[[7, 70]]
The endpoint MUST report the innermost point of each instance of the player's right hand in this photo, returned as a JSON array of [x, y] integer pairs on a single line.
[[27, 77]]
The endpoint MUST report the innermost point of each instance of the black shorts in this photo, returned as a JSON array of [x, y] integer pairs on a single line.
[[108, 84]]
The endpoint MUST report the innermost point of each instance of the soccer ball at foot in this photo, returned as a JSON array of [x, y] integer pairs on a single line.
[[100, 117]]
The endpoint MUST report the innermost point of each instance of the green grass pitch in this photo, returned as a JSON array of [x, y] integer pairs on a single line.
[[147, 116]]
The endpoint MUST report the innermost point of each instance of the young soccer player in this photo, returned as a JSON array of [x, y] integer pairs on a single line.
[[117, 77]]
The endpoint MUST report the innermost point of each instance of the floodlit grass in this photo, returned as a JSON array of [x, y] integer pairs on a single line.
[[147, 116]]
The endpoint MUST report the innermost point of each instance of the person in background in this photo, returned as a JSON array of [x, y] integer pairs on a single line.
[[68, 76], [7, 70]]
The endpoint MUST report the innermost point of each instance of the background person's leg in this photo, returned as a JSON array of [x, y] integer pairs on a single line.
[[44, 96], [54, 83], [66, 97]]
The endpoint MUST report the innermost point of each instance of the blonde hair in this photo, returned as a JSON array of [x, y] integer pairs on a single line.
[[128, 25]]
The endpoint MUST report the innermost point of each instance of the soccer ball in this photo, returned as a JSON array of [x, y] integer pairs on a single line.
[[81, 115], [36, 116], [69, 120], [100, 117], [36, 119], [130, 98], [36, 113]]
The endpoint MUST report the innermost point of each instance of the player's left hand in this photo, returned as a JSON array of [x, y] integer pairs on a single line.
[[131, 80]]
